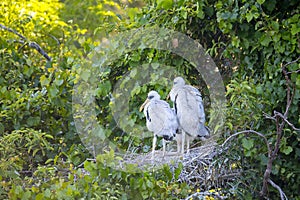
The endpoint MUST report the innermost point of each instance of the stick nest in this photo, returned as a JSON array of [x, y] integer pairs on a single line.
[[204, 167]]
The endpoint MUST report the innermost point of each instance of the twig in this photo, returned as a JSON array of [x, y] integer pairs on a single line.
[[296, 71], [197, 194], [12, 31], [292, 62], [280, 115], [33, 45], [281, 120], [40, 50], [249, 131], [282, 194], [88, 159], [289, 98], [268, 116]]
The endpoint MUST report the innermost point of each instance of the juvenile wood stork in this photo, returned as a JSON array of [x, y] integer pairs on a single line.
[[160, 119], [189, 110]]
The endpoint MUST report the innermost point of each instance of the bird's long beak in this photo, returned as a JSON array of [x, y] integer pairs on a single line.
[[143, 105]]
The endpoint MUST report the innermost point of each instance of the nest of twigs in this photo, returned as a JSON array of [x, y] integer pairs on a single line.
[[204, 167]]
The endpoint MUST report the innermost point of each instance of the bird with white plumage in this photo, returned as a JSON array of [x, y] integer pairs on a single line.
[[160, 119], [188, 106]]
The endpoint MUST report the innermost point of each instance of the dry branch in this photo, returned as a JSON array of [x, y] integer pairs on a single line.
[[281, 120], [282, 194], [246, 132], [24, 40], [197, 194]]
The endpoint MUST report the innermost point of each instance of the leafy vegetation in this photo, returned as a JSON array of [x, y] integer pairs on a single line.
[[44, 51]]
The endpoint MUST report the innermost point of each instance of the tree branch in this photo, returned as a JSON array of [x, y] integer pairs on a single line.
[[250, 131], [282, 194], [33, 45], [292, 62], [281, 120], [12, 31], [284, 119]]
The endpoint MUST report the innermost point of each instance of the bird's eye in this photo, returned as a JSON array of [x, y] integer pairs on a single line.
[[150, 97], [175, 82]]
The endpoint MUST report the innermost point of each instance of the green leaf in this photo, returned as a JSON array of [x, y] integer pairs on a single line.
[[85, 75], [44, 80], [35, 152], [58, 82], [265, 40], [1, 128], [287, 150], [155, 65], [167, 172], [263, 159], [275, 25], [28, 70], [184, 14], [249, 16], [295, 29], [149, 184], [33, 121], [133, 72], [247, 143], [200, 14], [165, 4], [40, 196], [53, 91], [178, 171], [47, 193], [298, 82], [259, 89], [260, 1], [103, 89]]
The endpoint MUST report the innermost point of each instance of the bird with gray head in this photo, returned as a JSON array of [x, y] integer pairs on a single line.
[[160, 119], [188, 106]]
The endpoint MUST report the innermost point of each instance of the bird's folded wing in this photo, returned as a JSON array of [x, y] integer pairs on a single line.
[[161, 116], [190, 110]]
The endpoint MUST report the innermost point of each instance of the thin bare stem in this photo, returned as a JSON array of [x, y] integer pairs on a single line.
[[12, 31], [292, 62], [282, 194], [281, 120], [33, 45], [197, 194], [249, 131], [284, 119]]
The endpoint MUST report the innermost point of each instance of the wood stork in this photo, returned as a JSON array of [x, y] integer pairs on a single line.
[[160, 119], [189, 110]]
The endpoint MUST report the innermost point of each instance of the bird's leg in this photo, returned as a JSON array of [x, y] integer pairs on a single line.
[[164, 147], [182, 142], [153, 146], [179, 145], [188, 145]]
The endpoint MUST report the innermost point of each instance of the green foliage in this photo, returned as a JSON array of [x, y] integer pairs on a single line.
[[100, 180], [34, 93]]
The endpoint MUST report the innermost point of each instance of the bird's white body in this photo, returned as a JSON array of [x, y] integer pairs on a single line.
[[190, 113], [160, 119]]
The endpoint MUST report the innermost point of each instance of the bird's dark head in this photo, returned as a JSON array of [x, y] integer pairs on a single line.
[[153, 95], [178, 81], [205, 134]]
